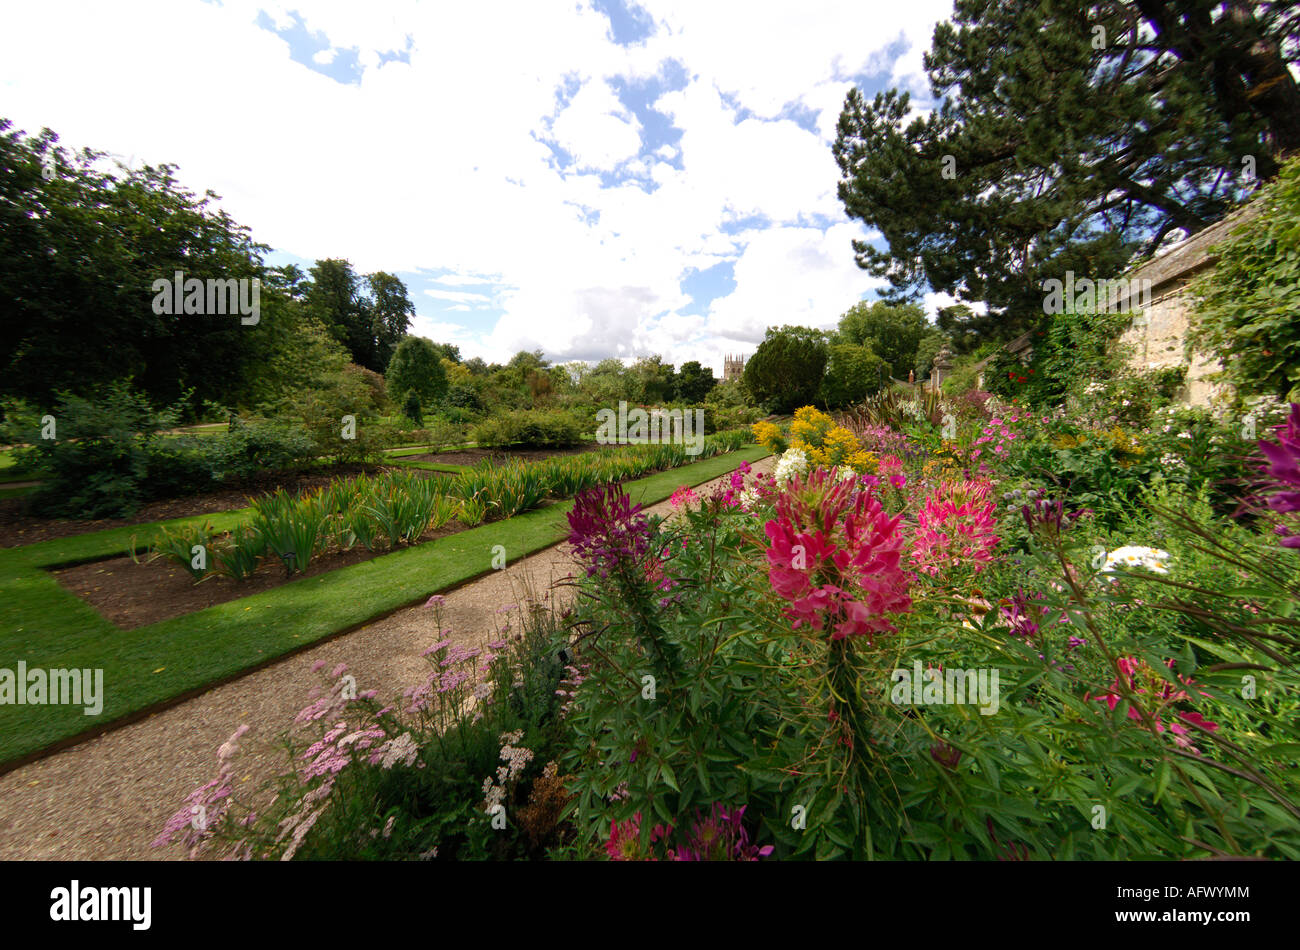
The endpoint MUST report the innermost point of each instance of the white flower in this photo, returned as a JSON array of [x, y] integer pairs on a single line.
[[748, 499], [845, 474], [792, 463], [1131, 557]]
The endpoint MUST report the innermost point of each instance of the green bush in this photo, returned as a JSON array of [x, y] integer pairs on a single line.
[[250, 449], [528, 428], [97, 465]]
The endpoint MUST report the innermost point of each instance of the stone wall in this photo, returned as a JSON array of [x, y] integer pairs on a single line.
[[1159, 334]]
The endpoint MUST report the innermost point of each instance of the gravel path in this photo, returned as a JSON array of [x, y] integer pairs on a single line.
[[109, 797]]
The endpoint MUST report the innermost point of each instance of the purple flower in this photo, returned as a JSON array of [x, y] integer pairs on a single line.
[[605, 528], [1050, 514], [1281, 469], [721, 836], [1283, 456]]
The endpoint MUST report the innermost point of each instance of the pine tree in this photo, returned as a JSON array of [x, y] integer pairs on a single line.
[[1071, 136]]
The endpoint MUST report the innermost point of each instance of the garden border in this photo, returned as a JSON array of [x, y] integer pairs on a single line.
[[162, 664]]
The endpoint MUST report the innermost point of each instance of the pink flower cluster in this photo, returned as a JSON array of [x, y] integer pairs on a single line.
[[1141, 679], [955, 527], [682, 496], [719, 836], [998, 431], [836, 556]]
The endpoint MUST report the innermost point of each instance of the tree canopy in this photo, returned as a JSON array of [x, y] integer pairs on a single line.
[[417, 365], [1070, 137], [786, 370]]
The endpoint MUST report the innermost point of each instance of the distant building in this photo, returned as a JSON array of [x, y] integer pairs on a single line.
[[733, 367]]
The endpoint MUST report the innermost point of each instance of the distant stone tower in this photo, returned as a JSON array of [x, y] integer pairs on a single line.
[[733, 367]]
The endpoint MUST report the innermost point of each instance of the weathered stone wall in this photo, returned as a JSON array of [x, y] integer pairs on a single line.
[[1159, 334], [1158, 339]]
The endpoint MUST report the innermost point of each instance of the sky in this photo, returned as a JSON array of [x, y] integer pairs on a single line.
[[591, 178]]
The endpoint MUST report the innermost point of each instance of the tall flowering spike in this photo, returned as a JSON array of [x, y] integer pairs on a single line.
[[606, 528], [955, 528], [836, 556]]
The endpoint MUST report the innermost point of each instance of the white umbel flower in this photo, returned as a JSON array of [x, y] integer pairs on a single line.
[[1131, 557]]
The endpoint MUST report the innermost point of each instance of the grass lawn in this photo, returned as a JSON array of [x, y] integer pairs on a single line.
[[50, 628]]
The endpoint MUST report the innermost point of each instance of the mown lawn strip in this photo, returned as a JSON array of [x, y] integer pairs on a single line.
[[51, 628]]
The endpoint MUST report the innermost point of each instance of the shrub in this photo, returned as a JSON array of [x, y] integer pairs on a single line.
[[852, 373], [250, 449], [411, 407], [528, 428], [98, 464]]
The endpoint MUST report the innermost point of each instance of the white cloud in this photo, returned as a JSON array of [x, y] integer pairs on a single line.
[[459, 296], [440, 163], [597, 129], [791, 275], [460, 280]]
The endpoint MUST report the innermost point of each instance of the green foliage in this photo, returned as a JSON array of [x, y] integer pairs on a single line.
[[79, 254], [1248, 304], [893, 333], [1018, 176], [1069, 350], [99, 461], [294, 530], [189, 547], [529, 428], [728, 395], [251, 449], [694, 382], [417, 365], [411, 407], [852, 373], [786, 370]]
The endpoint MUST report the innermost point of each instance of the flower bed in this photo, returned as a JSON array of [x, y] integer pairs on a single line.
[[957, 655]]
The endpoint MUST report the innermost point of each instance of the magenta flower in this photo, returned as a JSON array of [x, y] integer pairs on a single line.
[[955, 528], [1282, 466], [1140, 678], [721, 836], [605, 528], [835, 555], [682, 496], [624, 842]]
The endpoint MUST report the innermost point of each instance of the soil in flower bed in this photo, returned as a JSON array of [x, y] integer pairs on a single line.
[[18, 527], [474, 456], [134, 594]]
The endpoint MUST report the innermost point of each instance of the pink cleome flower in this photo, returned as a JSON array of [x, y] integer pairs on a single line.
[[955, 528], [1144, 680], [836, 556]]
